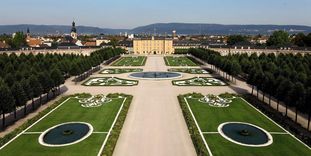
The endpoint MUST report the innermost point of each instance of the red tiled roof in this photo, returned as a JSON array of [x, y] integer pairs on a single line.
[[4, 45]]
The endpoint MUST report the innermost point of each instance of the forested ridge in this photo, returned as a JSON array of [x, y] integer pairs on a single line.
[[286, 77], [26, 77]]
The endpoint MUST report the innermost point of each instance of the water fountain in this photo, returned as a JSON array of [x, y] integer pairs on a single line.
[[245, 134], [65, 134], [155, 75]]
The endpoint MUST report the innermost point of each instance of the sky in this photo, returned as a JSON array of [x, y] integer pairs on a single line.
[[132, 13]]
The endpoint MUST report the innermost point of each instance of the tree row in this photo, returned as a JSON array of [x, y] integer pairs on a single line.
[[26, 77]]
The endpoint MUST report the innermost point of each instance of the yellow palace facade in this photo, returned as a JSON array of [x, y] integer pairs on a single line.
[[153, 46]]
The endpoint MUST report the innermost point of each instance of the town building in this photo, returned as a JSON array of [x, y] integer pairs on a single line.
[[33, 42], [4, 45], [73, 33], [89, 43], [174, 35], [102, 40], [186, 44], [70, 41], [153, 45]]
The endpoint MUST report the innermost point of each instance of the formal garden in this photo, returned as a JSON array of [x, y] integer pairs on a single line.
[[200, 81], [284, 77], [120, 70], [190, 70], [92, 129], [228, 125], [109, 81], [130, 61], [180, 61]]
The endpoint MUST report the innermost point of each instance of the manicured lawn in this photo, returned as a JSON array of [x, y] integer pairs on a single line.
[[200, 81], [120, 70], [180, 61], [283, 145], [27, 144], [131, 61], [209, 118], [109, 81], [189, 70], [101, 118]]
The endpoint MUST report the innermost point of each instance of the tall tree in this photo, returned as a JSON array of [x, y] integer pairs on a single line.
[[19, 96], [290, 96], [19, 40], [237, 39], [269, 84], [300, 40], [57, 78], [297, 93], [75, 70], [36, 88], [114, 42], [9, 79], [7, 100], [308, 105], [46, 82], [28, 92], [279, 39]]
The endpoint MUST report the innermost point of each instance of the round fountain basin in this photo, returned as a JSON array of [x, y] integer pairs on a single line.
[[65, 134], [245, 134], [155, 75]]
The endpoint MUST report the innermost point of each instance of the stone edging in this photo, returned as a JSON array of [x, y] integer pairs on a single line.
[[156, 79], [40, 139], [270, 139]]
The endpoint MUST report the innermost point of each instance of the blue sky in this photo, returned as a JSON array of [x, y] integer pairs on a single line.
[[132, 13]]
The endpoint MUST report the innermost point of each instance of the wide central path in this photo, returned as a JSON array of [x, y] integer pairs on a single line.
[[154, 125]]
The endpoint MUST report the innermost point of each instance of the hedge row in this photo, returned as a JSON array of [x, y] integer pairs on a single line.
[[193, 130], [115, 133]]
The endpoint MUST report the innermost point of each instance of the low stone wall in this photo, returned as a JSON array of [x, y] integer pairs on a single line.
[[226, 51], [52, 51]]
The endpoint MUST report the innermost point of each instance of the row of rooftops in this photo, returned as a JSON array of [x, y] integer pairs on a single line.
[[154, 38], [177, 43]]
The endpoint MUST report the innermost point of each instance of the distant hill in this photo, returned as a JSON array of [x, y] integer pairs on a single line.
[[56, 29], [188, 28], [161, 28]]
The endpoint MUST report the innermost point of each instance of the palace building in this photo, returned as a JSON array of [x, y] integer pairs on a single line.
[[153, 45]]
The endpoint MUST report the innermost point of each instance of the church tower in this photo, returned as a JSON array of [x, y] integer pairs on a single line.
[[73, 33], [28, 33]]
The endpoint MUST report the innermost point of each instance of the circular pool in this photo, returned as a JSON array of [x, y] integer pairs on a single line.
[[155, 75], [65, 134], [245, 134]]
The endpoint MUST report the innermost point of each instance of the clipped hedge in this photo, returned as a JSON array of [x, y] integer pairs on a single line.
[[195, 60], [29, 122], [181, 51], [193, 130], [115, 133]]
